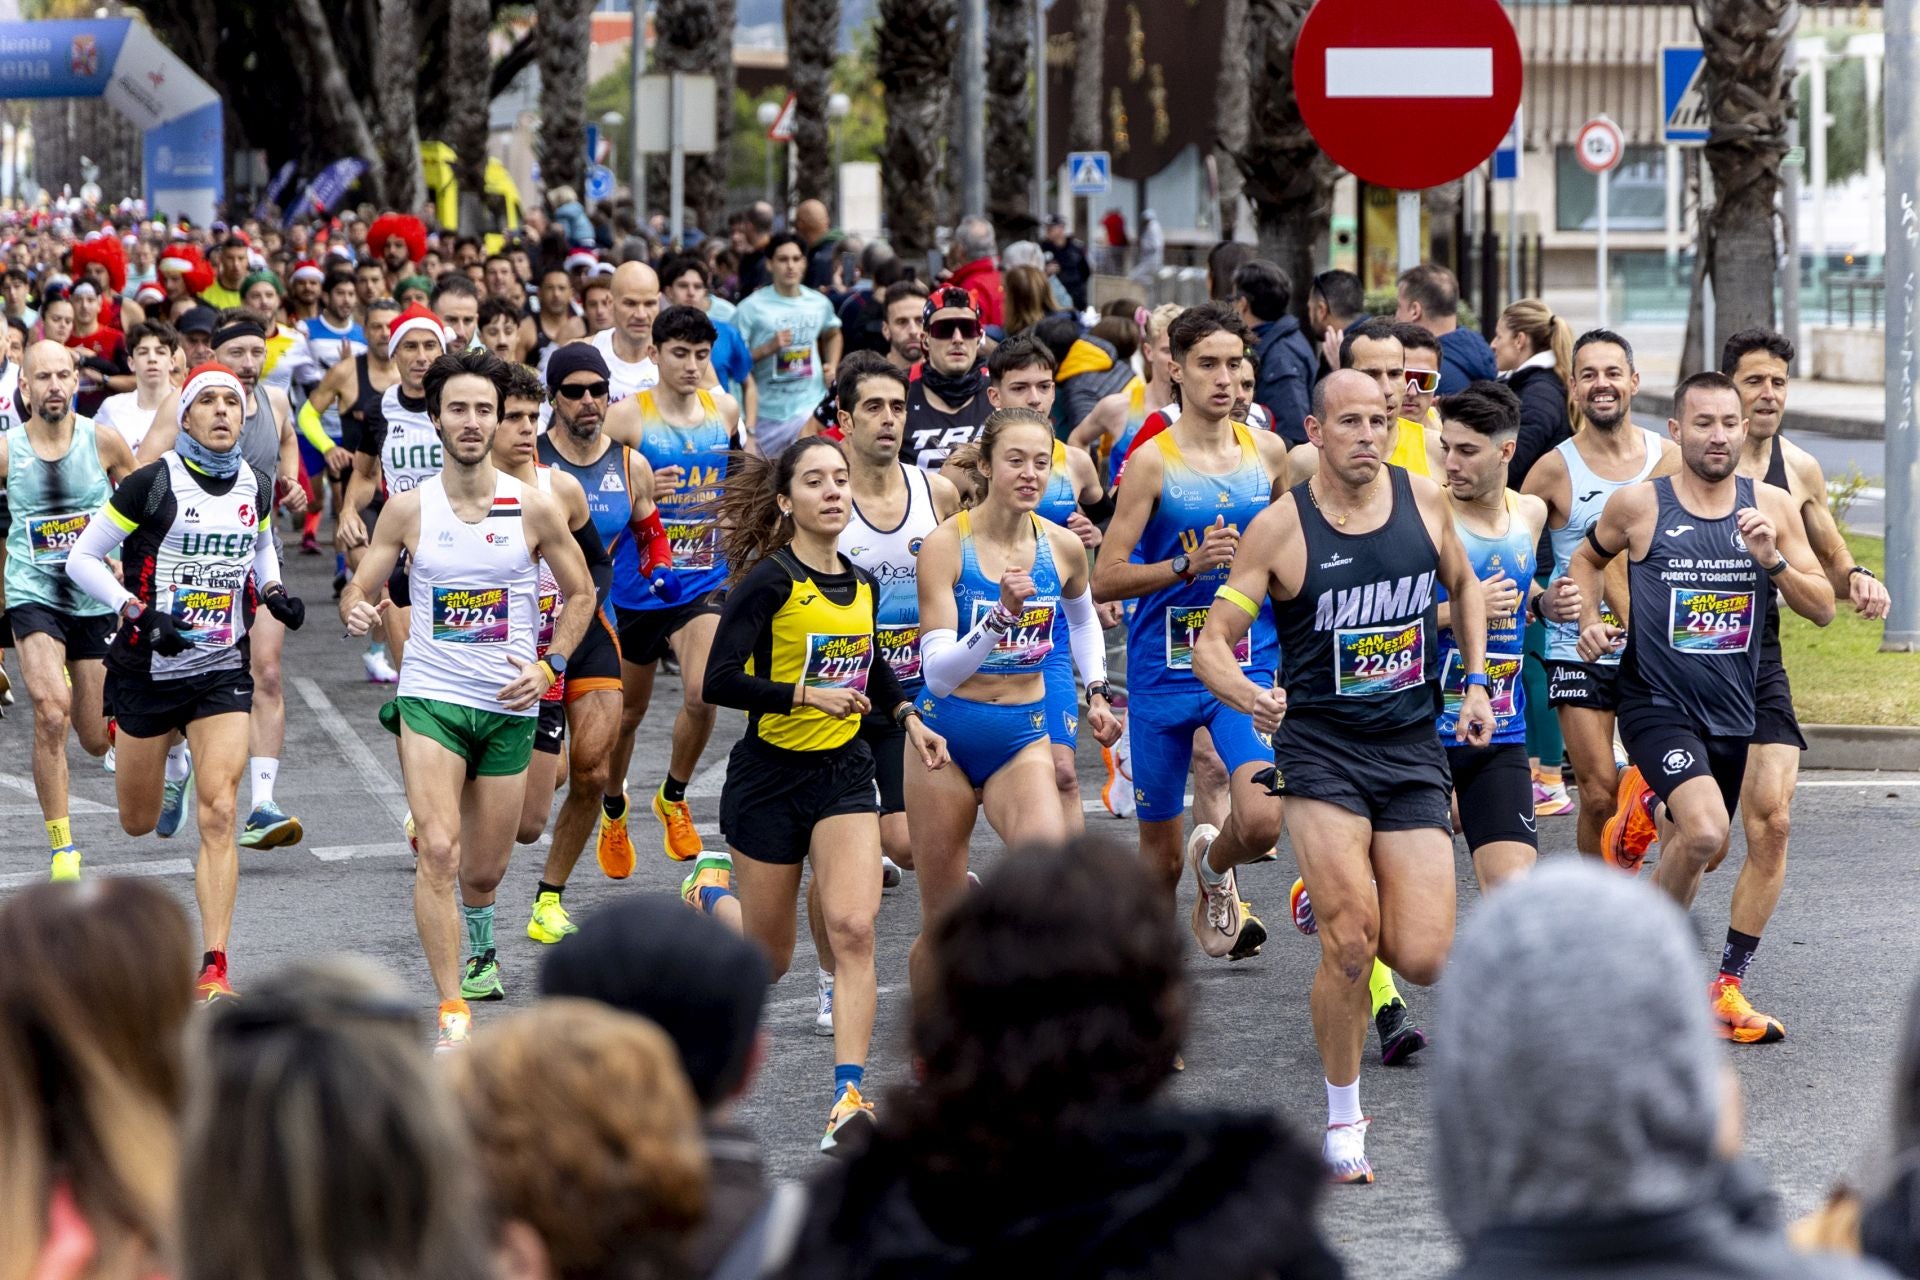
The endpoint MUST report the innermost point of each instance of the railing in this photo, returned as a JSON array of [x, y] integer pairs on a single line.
[[1857, 301]]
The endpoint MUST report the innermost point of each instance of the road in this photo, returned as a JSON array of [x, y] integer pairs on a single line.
[[1835, 967]]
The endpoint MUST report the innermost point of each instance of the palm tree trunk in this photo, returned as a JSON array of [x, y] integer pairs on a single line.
[[915, 54], [1230, 110], [1287, 176], [1009, 144], [697, 36], [813, 37], [397, 43], [468, 63], [335, 109], [564, 29], [1083, 107]]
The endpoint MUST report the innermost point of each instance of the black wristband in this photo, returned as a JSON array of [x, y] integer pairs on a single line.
[[1860, 568], [1777, 568]]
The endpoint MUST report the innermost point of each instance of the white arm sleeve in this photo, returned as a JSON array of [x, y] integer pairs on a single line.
[[1085, 638], [947, 662], [266, 561], [87, 561]]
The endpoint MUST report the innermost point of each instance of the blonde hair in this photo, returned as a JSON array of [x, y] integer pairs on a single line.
[[979, 465], [1159, 320], [1534, 320]]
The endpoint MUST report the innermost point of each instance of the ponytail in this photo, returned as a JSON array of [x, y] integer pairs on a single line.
[[1535, 321]]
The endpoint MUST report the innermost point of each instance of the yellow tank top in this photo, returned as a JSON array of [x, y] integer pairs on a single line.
[[821, 644], [1410, 449]]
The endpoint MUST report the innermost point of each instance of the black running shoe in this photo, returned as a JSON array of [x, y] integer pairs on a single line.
[[1400, 1039]]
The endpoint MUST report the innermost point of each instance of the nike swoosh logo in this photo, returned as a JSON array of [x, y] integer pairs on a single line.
[[1678, 529], [1528, 819]]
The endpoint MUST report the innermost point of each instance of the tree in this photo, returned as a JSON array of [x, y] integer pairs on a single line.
[[1009, 144], [1287, 177], [813, 33], [466, 83], [336, 109], [1083, 105], [565, 27], [1230, 110], [697, 36], [915, 54], [402, 182]]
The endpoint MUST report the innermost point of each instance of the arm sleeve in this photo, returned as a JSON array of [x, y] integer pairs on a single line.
[[599, 563], [947, 662], [745, 617], [266, 561], [1084, 637], [311, 428], [87, 562]]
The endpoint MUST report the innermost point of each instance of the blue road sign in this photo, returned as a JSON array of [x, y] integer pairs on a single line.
[[1089, 173], [593, 143], [1684, 118], [1506, 156], [599, 183]]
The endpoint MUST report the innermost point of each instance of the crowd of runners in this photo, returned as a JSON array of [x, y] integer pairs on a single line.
[[1366, 596]]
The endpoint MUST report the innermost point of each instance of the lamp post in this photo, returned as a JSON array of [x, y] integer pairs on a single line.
[[838, 105], [766, 114]]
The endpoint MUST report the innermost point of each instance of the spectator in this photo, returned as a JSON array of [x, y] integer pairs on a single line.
[[1534, 350], [1283, 361], [570, 216], [1067, 261], [1429, 296], [588, 1142], [318, 1142], [705, 986], [1223, 260], [1335, 301], [1115, 226], [1029, 301], [1089, 375], [863, 312], [819, 239], [1025, 253], [1635, 1173], [96, 987], [1053, 1020], [973, 249], [1153, 248], [751, 234]]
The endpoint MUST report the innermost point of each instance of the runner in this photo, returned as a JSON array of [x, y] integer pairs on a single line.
[[58, 469], [1575, 479], [199, 550], [466, 709], [794, 338], [1348, 562], [628, 344], [1702, 545], [155, 353], [948, 403], [1002, 573], [1194, 488], [455, 300], [557, 320], [684, 433]]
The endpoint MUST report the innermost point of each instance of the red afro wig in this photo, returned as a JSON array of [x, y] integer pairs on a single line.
[[404, 225], [104, 249], [185, 258]]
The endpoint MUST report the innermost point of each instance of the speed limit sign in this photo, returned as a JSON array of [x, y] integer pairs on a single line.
[[1600, 145]]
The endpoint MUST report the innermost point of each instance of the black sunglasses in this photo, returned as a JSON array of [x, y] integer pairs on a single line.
[[581, 390], [954, 328]]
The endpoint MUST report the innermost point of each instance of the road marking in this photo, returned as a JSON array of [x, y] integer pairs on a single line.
[[1861, 782], [75, 804], [378, 782], [157, 867], [342, 852], [1410, 73]]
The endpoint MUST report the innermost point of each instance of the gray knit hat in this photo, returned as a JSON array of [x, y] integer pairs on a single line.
[[1578, 1075]]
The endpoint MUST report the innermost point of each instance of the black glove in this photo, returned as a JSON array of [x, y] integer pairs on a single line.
[[288, 609], [162, 633]]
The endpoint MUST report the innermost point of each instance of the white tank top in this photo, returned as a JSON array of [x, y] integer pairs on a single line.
[[475, 600], [890, 556], [411, 452], [629, 376], [1587, 494]]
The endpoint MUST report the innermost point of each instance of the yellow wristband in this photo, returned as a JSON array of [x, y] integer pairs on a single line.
[[1236, 598], [553, 677]]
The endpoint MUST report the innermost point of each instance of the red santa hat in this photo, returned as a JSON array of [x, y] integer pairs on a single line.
[[205, 378], [185, 259], [307, 269], [414, 317]]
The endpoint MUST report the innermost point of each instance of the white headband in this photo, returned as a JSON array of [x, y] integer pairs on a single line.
[[204, 381]]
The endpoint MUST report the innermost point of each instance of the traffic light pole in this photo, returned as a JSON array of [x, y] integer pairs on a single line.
[[1902, 81]]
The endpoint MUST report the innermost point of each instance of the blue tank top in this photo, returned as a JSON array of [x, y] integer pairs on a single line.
[[51, 504], [701, 453], [1023, 650], [1057, 500], [607, 482], [1161, 633], [1512, 554]]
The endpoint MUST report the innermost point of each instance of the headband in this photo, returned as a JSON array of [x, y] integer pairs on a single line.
[[208, 377], [247, 327], [948, 297]]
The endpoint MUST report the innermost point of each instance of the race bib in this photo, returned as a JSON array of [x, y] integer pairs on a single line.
[[1710, 621], [1026, 644], [1503, 669], [470, 615], [696, 543], [900, 649], [1184, 625], [793, 363], [1370, 661], [549, 611], [204, 616], [50, 538], [837, 662]]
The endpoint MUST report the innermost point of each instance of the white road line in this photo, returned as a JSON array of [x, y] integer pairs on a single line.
[[75, 804], [379, 783], [342, 852], [157, 867], [1861, 782], [1410, 73]]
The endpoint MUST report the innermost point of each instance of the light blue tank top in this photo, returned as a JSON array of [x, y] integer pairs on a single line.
[[51, 503], [1511, 554], [1024, 649], [1587, 492]]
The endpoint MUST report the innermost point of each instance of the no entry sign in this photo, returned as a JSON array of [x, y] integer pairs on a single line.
[[1407, 93]]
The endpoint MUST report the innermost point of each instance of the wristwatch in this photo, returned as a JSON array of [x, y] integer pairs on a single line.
[[1476, 679], [1182, 566], [556, 663], [1860, 568], [132, 609], [1099, 689]]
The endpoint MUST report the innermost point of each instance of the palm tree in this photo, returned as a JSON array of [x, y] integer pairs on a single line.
[[915, 52], [1009, 144], [813, 38], [697, 36], [397, 60], [1230, 110], [1287, 177], [565, 27], [467, 81]]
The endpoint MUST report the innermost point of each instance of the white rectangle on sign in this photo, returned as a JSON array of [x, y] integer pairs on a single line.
[[1409, 73]]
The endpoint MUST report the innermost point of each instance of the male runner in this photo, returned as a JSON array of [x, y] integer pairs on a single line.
[[455, 300], [466, 708], [1575, 479], [905, 328], [1702, 545], [1349, 561], [1194, 489], [155, 348], [199, 555], [628, 346], [947, 405], [794, 338], [556, 322], [58, 469], [685, 433], [596, 308]]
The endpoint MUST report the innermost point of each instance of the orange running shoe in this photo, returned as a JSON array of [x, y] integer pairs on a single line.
[[680, 840], [1738, 1020], [213, 985], [1630, 832], [614, 851]]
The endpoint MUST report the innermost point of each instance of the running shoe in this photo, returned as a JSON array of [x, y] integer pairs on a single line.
[[173, 804], [550, 921], [851, 1115], [456, 1024], [1344, 1150], [1550, 797], [309, 545], [213, 985], [6, 689], [823, 1016], [270, 827], [66, 865], [378, 669], [1302, 909], [615, 850], [1738, 1020], [482, 980], [413, 835], [712, 871], [107, 761], [1630, 832], [889, 873], [680, 840], [1400, 1039], [1221, 922], [1117, 792]]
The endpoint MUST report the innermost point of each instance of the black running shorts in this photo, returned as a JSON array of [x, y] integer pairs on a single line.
[[1773, 720], [644, 632], [1395, 786], [1594, 685], [1493, 786], [85, 639], [552, 729], [773, 799], [143, 707], [595, 664], [1670, 749]]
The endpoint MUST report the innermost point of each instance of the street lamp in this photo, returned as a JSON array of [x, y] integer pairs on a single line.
[[838, 105], [766, 114]]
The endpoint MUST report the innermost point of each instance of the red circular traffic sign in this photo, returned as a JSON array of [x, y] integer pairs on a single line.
[[1407, 93], [1600, 145]]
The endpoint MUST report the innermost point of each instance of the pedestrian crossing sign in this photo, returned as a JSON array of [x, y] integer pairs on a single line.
[[1683, 95], [1089, 173]]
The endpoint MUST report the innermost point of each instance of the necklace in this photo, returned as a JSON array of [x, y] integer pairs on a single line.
[[1339, 518]]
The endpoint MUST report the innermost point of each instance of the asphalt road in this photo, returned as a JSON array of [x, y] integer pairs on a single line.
[[1836, 965]]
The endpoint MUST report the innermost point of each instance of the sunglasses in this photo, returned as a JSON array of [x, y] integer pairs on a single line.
[[581, 390], [1423, 382], [954, 328]]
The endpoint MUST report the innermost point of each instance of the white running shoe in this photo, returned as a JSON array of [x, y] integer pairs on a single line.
[[107, 761], [889, 873], [379, 670], [1216, 907], [1344, 1150], [823, 1019]]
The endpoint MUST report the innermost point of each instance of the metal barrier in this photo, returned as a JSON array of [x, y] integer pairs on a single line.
[[1857, 301]]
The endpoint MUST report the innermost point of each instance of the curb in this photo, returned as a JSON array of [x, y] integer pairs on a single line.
[[1661, 403], [1861, 746]]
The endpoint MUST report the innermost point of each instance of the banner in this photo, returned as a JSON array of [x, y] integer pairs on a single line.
[[324, 191]]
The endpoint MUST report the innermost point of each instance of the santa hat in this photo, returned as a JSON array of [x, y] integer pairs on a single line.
[[414, 317], [583, 259], [205, 378], [406, 226], [105, 250], [307, 269], [149, 292], [185, 258]]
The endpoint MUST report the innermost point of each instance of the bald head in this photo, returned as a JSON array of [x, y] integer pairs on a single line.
[[49, 377], [47, 350], [636, 301], [810, 220], [1350, 425]]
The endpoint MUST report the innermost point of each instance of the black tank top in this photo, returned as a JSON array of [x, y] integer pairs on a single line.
[[1770, 627], [368, 399], [1358, 644], [932, 433], [1696, 597]]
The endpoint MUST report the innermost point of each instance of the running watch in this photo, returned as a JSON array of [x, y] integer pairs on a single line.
[[1476, 679]]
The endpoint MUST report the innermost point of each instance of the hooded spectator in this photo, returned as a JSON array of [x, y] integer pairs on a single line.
[[976, 270]]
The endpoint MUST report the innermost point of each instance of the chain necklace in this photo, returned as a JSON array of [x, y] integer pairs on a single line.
[[1339, 518]]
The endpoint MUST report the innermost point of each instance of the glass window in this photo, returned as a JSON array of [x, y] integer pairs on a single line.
[[1636, 198]]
